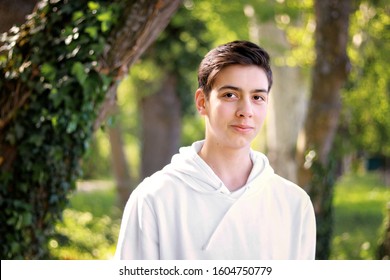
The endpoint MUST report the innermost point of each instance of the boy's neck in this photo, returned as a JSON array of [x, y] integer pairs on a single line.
[[232, 166]]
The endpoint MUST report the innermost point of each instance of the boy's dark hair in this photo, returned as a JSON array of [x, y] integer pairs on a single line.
[[233, 53]]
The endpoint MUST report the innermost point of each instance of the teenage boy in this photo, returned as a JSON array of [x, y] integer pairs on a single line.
[[219, 199]]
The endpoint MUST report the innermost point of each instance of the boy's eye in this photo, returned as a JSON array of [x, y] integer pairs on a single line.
[[229, 95], [258, 98]]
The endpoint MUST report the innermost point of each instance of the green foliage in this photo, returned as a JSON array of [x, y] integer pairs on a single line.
[[193, 129], [83, 236], [96, 162], [224, 22], [359, 208], [49, 69], [177, 51], [296, 21], [367, 96], [90, 227]]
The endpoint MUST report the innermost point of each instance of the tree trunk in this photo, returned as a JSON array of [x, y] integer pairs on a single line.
[[142, 23], [287, 105], [314, 152], [285, 119], [161, 127], [120, 166], [384, 246], [288, 99], [14, 12]]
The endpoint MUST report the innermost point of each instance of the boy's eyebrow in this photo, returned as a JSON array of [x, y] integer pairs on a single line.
[[239, 89]]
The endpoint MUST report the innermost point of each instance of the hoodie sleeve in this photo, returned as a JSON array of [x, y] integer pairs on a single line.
[[308, 239], [138, 237]]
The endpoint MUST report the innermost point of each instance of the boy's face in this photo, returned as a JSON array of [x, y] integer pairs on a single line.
[[237, 106]]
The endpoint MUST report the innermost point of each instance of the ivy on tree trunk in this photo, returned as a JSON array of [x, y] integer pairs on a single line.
[[56, 72], [316, 154]]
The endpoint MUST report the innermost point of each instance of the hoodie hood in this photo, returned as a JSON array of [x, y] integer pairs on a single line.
[[189, 167]]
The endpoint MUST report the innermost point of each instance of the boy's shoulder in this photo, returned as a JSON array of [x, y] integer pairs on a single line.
[[286, 188], [159, 182]]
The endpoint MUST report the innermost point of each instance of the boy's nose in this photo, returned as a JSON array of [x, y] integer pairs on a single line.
[[245, 108]]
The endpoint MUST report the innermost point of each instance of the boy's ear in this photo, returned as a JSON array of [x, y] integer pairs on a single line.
[[200, 101]]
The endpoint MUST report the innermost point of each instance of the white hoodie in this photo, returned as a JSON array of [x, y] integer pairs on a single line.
[[184, 211]]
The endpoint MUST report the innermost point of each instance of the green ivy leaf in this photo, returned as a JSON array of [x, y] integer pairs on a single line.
[[72, 125], [77, 15], [105, 26], [105, 16], [93, 6], [92, 31], [27, 219], [79, 72], [48, 71]]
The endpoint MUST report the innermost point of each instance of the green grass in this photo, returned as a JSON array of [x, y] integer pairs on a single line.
[[359, 210], [91, 223], [90, 227], [100, 202]]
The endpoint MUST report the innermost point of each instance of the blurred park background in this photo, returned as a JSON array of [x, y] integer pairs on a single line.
[[328, 126]]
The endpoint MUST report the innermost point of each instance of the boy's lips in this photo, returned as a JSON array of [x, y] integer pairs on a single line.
[[242, 127]]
